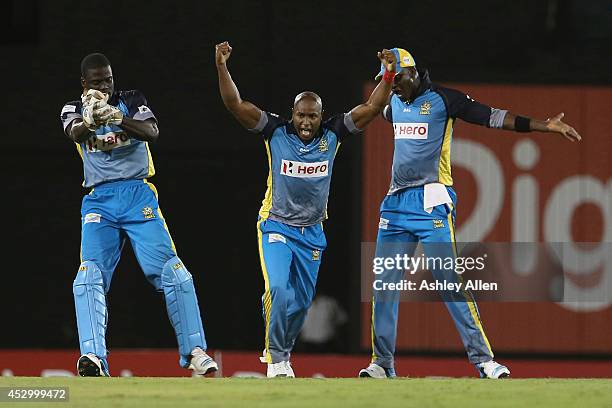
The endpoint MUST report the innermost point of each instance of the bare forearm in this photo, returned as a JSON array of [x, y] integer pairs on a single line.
[[379, 97], [245, 112], [365, 113], [554, 125], [78, 132], [534, 124], [145, 130], [228, 89]]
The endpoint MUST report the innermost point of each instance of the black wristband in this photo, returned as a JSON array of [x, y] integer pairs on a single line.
[[522, 124]]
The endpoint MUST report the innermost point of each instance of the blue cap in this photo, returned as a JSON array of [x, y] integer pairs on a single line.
[[404, 59]]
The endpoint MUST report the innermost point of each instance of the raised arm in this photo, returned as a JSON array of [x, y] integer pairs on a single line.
[[366, 112], [245, 112]]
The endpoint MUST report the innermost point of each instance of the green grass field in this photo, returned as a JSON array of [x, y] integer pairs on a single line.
[[318, 393]]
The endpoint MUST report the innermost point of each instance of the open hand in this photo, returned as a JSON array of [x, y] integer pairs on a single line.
[[556, 125]]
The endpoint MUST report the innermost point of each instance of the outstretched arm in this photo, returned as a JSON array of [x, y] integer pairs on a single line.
[[245, 112], [462, 106], [366, 112], [519, 123]]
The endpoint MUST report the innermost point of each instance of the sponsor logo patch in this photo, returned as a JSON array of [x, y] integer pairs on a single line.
[[276, 238], [92, 217], [383, 223], [106, 142], [411, 130], [304, 170]]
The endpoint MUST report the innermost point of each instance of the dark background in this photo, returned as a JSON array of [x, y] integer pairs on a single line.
[[210, 172]]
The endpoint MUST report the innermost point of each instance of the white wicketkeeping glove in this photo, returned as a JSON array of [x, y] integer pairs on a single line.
[[93, 100], [108, 114]]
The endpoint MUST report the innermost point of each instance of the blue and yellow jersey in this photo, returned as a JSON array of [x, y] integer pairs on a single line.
[[423, 130], [300, 174], [111, 153]]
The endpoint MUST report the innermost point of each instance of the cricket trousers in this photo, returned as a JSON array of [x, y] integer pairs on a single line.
[[403, 224], [290, 258]]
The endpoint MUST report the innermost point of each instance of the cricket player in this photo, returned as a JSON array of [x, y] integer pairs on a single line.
[[420, 204], [301, 156], [112, 131]]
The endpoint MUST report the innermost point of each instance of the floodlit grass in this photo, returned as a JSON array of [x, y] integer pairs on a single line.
[[318, 393]]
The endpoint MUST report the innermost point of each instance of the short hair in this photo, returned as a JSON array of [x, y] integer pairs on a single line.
[[308, 95], [91, 61]]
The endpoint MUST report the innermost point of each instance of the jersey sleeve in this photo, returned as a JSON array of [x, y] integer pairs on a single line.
[[461, 106], [268, 122], [70, 112], [137, 106], [342, 125]]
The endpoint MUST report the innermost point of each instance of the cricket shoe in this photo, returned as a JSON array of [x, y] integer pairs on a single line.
[[90, 365], [201, 363], [376, 371], [492, 369], [279, 370], [289, 369], [264, 357]]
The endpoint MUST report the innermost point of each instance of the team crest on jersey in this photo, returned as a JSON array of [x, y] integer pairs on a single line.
[[148, 213], [425, 108], [323, 145], [316, 255]]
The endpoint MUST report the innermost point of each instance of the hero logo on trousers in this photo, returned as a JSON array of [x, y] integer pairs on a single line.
[[276, 238], [304, 170], [411, 130], [383, 223], [92, 217]]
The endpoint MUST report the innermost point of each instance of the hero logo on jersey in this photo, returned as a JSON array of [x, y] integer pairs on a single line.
[[411, 130], [107, 141], [304, 170]]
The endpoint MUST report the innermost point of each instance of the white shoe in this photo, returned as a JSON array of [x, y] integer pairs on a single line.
[[376, 371], [492, 369], [263, 357], [278, 370], [201, 363], [289, 369], [89, 365]]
